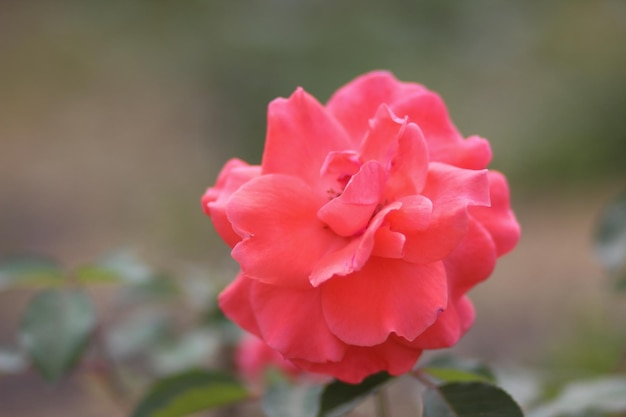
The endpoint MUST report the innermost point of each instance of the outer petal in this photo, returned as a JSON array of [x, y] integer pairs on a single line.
[[499, 219], [360, 362], [445, 143], [300, 134], [350, 213], [291, 321], [451, 191], [450, 326], [277, 214], [353, 255], [235, 303], [386, 296], [472, 261], [355, 103], [233, 175]]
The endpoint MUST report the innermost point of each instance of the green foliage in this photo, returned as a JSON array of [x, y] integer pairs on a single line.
[[55, 330], [469, 399], [283, 399], [338, 398], [121, 265], [190, 392], [451, 369], [30, 271]]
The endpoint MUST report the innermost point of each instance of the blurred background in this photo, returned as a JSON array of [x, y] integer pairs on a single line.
[[116, 116]]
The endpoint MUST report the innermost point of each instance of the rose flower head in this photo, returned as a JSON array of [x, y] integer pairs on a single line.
[[359, 235]]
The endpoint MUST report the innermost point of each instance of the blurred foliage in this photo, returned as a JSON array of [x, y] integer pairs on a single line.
[[150, 360]]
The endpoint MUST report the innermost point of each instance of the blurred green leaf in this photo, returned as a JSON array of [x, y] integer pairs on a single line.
[[191, 350], [338, 397], [31, 271], [610, 238], [55, 330], [469, 399], [452, 369], [94, 274], [136, 334], [190, 392], [157, 288], [122, 265], [599, 395], [283, 399], [12, 361]]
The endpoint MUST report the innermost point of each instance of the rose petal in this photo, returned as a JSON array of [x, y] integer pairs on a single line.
[[409, 167], [290, 322], [381, 141], [388, 244], [414, 215], [472, 261], [451, 191], [445, 143], [349, 213], [450, 326], [385, 296], [234, 301], [360, 362], [277, 214], [356, 102], [234, 174], [300, 134], [499, 219], [352, 256]]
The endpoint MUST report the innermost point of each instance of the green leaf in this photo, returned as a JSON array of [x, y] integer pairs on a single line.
[[610, 238], [55, 330], [190, 392], [469, 399], [30, 271], [95, 274], [606, 395], [453, 369], [286, 400], [121, 265], [159, 287], [338, 397]]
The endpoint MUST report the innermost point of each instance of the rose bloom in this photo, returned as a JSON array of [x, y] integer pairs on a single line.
[[359, 235]]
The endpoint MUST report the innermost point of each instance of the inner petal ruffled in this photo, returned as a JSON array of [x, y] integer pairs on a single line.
[[350, 212]]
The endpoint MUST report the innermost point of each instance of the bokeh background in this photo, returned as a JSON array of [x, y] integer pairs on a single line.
[[115, 117]]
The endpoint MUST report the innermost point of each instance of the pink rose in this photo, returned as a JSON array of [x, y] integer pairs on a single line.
[[360, 233]]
